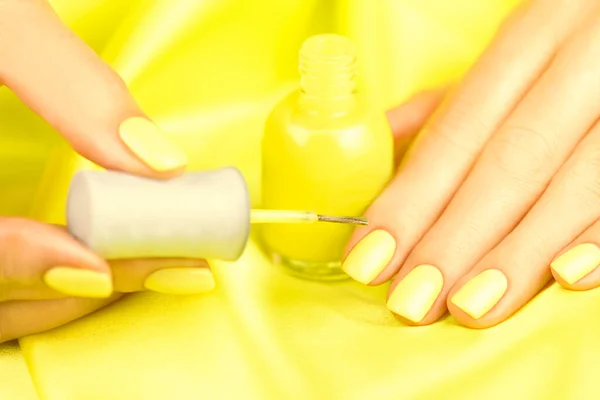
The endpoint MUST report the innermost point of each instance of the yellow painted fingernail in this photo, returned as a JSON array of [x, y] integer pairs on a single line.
[[370, 256], [481, 293], [577, 262], [151, 145], [181, 281], [79, 282], [413, 297]]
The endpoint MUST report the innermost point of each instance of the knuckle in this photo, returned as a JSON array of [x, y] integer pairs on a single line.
[[585, 174], [523, 260], [454, 254], [523, 154]]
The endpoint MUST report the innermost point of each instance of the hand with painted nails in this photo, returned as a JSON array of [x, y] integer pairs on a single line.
[[47, 278], [500, 192]]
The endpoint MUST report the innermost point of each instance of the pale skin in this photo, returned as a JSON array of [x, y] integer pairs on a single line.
[[505, 174], [514, 183], [60, 78]]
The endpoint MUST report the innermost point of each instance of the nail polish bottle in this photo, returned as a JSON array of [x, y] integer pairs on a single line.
[[325, 149]]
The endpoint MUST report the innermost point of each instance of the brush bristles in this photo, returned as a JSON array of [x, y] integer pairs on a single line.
[[343, 220]]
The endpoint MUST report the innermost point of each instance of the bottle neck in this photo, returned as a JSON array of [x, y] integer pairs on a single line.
[[328, 70]]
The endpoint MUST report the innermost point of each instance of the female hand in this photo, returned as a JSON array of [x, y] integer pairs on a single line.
[[501, 191], [47, 278]]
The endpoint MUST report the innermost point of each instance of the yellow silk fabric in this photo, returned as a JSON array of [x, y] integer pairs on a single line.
[[209, 72], [15, 382]]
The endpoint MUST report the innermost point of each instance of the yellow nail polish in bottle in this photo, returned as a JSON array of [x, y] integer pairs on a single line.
[[327, 150]]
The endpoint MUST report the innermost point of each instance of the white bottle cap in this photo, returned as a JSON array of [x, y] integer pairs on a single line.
[[198, 215]]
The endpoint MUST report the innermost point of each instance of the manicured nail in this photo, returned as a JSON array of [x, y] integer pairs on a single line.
[[370, 256], [150, 144], [79, 282], [181, 281], [481, 293], [413, 297], [577, 262]]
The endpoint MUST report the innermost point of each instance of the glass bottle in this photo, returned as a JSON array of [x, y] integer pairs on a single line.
[[327, 150]]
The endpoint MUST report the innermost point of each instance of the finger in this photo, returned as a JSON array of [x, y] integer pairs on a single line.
[[513, 170], [59, 77], [421, 190], [22, 318], [518, 268], [407, 119], [576, 268], [168, 276], [40, 261]]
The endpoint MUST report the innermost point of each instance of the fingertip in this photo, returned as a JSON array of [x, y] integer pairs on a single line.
[[417, 295], [429, 319], [577, 268], [83, 98], [135, 145], [180, 281], [466, 319], [371, 252], [382, 233], [587, 282], [47, 256], [168, 276], [76, 270], [62, 249], [151, 145], [78, 282]]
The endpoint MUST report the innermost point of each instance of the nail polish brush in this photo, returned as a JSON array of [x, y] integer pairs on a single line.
[[204, 214]]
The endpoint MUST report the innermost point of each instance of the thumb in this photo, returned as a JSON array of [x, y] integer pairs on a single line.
[[41, 261], [59, 77]]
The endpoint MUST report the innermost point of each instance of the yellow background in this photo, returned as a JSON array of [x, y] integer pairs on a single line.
[[209, 72]]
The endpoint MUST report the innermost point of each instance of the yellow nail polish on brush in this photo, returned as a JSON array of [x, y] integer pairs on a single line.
[[413, 297], [180, 281], [577, 262], [79, 282], [481, 293], [370, 256], [151, 145]]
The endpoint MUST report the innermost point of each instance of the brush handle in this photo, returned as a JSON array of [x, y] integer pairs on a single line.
[[198, 215]]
